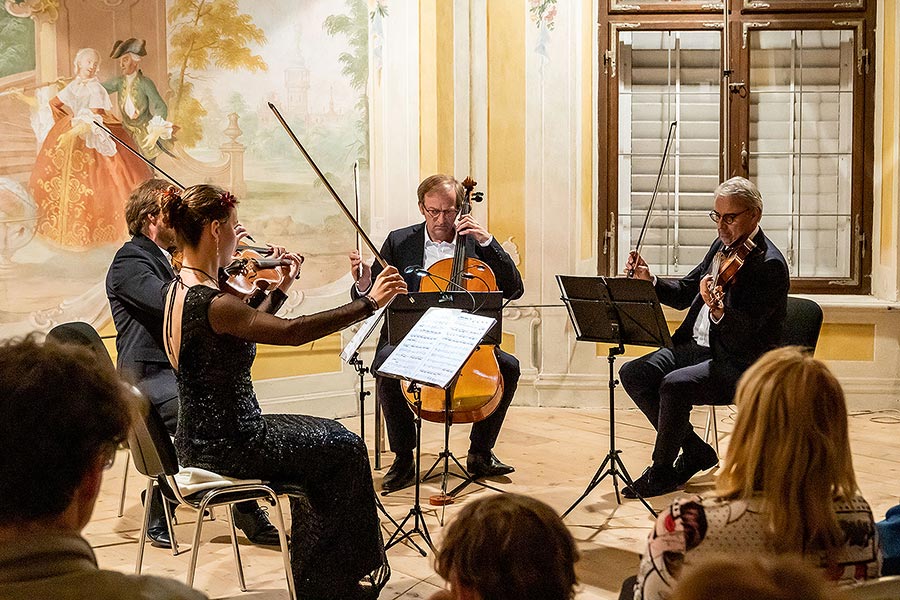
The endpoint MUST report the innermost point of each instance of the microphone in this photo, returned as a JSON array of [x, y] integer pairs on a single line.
[[445, 296]]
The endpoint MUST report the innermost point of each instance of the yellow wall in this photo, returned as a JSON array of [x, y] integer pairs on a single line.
[[321, 356], [506, 123], [436, 148], [586, 248]]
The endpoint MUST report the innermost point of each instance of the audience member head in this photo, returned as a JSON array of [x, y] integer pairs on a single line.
[[64, 414], [198, 208], [790, 443], [783, 577], [144, 204], [508, 546]]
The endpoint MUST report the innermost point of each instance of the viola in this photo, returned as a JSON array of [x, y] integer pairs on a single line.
[[479, 387], [726, 265], [250, 275]]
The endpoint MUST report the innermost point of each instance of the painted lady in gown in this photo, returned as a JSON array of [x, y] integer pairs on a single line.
[[81, 178]]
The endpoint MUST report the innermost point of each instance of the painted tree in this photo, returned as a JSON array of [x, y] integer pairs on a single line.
[[355, 26], [203, 34]]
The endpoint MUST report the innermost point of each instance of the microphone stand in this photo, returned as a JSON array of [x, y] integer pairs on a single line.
[[361, 371]]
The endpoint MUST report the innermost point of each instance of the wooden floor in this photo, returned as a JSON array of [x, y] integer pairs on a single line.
[[555, 452]]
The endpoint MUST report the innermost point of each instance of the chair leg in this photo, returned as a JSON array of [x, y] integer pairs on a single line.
[[285, 552], [144, 526], [124, 484], [170, 519], [711, 425], [237, 551], [196, 547]]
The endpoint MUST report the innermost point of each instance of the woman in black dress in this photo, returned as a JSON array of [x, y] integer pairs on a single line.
[[336, 545]]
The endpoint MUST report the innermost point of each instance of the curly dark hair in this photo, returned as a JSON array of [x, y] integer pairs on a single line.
[[189, 211], [62, 411], [510, 546]]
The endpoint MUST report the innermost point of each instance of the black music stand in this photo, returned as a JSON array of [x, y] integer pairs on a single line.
[[614, 310], [445, 376], [402, 314]]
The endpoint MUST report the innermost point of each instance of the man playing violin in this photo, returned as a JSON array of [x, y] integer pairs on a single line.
[[135, 289], [412, 250], [726, 329]]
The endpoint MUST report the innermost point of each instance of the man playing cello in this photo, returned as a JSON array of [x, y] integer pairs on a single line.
[[419, 247]]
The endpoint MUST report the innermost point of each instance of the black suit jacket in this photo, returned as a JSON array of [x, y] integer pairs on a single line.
[[135, 287], [405, 248], [755, 305]]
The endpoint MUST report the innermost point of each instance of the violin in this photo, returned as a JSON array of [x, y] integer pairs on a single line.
[[726, 265], [479, 387], [250, 275]]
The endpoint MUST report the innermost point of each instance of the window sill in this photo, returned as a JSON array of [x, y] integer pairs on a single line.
[[830, 303]]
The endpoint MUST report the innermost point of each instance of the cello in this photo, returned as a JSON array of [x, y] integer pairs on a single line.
[[479, 387]]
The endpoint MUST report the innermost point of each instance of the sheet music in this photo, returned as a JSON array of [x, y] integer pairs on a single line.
[[364, 331], [438, 345]]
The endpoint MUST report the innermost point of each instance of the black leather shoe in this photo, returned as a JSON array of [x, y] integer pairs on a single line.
[[402, 473], [157, 531], [256, 526], [486, 465], [690, 463], [656, 480], [159, 536]]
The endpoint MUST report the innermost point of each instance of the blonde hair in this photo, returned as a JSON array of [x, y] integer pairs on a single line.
[[758, 577], [791, 446]]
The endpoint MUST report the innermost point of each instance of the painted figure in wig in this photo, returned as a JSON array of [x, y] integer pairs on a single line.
[[142, 109], [81, 179]]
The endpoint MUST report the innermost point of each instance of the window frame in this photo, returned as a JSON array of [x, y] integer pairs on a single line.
[[610, 257]]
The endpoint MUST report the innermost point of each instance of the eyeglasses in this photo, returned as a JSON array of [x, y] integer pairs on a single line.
[[435, 213], [729, 218]]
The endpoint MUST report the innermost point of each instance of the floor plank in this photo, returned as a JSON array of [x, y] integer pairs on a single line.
[[555, 452]]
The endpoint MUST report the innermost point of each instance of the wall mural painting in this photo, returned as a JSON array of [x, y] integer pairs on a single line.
[[202, 116]]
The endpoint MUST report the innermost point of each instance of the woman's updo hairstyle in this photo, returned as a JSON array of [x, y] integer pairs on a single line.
[[189, 211]]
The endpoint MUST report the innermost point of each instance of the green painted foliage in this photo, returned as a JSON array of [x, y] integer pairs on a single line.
[[205, 34], [16, 44]]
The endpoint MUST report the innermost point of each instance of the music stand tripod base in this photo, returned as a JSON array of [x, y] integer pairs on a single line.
[[415, 513], [616, 311], [445, 456], [616, 468]]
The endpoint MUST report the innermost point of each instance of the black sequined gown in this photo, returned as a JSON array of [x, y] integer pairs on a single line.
[[335, 534]]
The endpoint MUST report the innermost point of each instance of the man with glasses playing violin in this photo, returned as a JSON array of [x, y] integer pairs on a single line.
[[727, 327], [412, 250]]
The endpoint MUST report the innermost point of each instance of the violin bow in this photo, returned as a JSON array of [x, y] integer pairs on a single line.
[[356, 198], [324, 180], [147, 161], [662, 166]]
